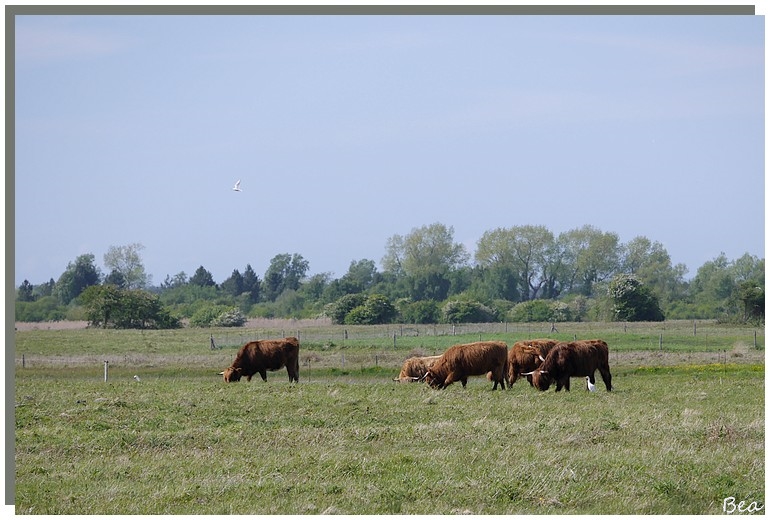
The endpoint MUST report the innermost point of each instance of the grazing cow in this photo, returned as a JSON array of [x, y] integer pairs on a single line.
[[263, 355], [470, 359], [573, 359], [415, 368], [525, 356]]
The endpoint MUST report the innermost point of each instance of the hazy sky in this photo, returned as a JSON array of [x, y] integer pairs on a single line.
[[346, 130]]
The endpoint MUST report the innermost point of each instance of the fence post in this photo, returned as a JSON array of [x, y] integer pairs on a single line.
[[394, 340], [660, 341], [755, 342], [694, 327], [755, 346], [106, 364]]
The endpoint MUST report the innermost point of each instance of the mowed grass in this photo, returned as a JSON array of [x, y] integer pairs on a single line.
[[674, 439]]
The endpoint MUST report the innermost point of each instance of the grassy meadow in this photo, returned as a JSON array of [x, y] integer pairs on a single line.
[[682, 431]]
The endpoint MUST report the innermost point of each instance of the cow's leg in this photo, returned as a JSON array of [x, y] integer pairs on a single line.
[[566, 385], [606, 377], [263, 373]]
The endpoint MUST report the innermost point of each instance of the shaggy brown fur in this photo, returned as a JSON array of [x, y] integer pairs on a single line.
[[263, 355], [524, 356], [414, 368], [573, 359], [470, 359]]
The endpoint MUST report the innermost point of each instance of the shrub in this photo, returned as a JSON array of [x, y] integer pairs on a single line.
[[218, 316], [233, 317], [423, 311], [467, 312], [533, 310]]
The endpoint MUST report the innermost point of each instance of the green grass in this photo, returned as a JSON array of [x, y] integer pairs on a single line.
[[674, 439]]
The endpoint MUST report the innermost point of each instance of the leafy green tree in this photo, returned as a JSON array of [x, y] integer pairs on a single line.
[[632, 300], [532, 311], [234, 285], [588, 256], [425, 258], [423, 311], [127, 262], [202, 278], [44, 308], [108, 305], [179, 280], [25, 292], [251, 284], [339, 309], [650, 262], [117, 279], [752, 296], [284, 272], [461, 311], [44, 289], [76, 278]]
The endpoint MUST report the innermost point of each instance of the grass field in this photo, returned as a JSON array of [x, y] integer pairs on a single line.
[[682, 431]]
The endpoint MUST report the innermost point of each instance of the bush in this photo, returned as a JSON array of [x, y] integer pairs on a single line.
[[423, 311], [218, 316], [467, 312], [232, 317], [533, 310]]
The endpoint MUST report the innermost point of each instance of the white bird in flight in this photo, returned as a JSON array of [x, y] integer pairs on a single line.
[[237, 186]]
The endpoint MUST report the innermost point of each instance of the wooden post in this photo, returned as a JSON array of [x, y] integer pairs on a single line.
[[755, 341], [660, 341], [394, 340], [755, 345], [106, 364], [694, 327]]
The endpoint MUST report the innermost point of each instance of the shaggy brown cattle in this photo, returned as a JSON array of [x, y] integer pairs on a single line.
[[414, 368], [573, 359], [470, 359], [525, 356], [263, 355]]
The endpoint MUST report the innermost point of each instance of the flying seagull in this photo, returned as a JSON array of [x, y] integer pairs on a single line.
[[237, 186]]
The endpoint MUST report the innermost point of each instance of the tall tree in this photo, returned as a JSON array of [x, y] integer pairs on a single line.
[[425, 257], [127, 261], [588, 256], [202, 278], [521, 253], [234, 284], [78, 275], [251, 284], [651, 264], [25, 292], [285, 272]]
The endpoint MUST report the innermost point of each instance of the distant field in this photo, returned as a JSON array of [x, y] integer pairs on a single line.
[[683, 431]]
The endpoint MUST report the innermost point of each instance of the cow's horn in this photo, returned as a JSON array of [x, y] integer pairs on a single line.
[[221, 373], [529, 373], [541, 357]]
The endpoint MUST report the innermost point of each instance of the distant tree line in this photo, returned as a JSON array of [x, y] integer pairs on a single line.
[[521, 273]]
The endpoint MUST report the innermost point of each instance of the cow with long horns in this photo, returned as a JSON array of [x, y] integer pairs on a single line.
[[573, 359], [526, 356], [470, 359], [415, 368]]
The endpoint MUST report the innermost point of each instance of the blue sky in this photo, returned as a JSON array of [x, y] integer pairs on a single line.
[[346, 130]]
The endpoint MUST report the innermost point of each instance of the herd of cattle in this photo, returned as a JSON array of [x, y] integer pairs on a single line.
[[542, 361]]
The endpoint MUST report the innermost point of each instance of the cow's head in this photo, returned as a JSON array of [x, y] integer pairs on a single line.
[[231, 374], [431, 379], [540, 379]]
